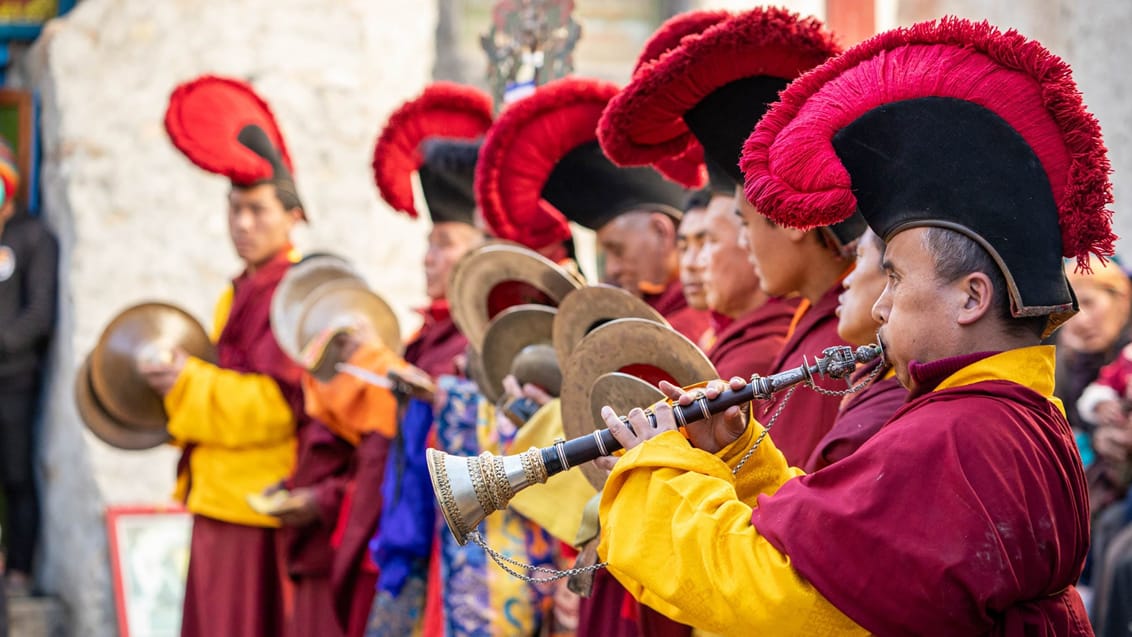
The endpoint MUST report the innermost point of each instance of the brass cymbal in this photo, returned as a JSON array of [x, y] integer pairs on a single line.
[[344, 303], [585, 310], [496, 276], [637, 347], [288, 301], [148, 331], [622, 392], [477, 375], [104, 426], [517, 342]]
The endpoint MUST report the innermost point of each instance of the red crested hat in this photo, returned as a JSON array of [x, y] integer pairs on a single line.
[[953, 124], [686, 168], [541, 167], [713, 87], [443, 110], [224, 127], [669, 35]]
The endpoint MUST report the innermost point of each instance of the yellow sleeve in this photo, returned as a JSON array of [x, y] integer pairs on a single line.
[[221, 407], [220, 313], [764, 472], [677, 536]]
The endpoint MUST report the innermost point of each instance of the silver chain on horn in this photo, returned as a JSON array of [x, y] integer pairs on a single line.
[[777, 412], [503, 561], [554, 575]]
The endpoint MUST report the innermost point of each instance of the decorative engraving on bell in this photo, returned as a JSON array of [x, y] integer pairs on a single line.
[[469, 489]]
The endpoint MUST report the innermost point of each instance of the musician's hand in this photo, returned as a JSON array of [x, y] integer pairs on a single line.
[[720, 430], [534, 392], [1113, 443], [1110, 413], [162, 372], [606, 464], [301, 509], [348, 343], [566, 604], [643, 428]]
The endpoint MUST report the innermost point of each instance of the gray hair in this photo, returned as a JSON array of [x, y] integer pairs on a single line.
[[957, 255]]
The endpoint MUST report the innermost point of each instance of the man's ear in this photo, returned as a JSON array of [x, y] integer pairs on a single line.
[[794, 235], [663, 226], [977, 296]]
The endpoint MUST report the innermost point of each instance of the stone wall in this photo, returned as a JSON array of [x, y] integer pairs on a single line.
[[137, 221]]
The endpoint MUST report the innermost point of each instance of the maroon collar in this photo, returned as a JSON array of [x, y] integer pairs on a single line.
[[668, 302], [436, 311], [719, 322], [927, 376]]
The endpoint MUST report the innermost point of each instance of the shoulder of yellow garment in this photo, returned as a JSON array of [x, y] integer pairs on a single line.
[[220, 312], [1030, 367]]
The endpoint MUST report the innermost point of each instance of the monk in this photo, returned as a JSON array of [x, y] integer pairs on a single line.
[[437, 136], [710, 91], [862, 414], [549, 170], [967, 513], [639, 255], [690, 235], [236, 420], [750, 326], [533, 165]]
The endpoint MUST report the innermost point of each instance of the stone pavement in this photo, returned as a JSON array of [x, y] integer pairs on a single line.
[[35, 617]]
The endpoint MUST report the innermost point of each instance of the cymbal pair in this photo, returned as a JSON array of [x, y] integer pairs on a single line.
[[319, 297], [113, 398], [591, 346]]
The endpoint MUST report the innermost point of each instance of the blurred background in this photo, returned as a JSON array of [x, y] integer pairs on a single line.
[[86, 85]]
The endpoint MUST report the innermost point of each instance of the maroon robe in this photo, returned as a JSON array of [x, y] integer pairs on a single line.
[[610, 611], [353, 577], [967, 514], [673, 306], [808, 415], [438, 344], [323, 465], [234, 582], [749, 344], [861, 416]]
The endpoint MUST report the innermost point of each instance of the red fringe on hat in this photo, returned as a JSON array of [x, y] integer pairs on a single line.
[[443, 109], [644, 123], [205, 116], [794, 176], [521, 151], [686, 168], [675, 29]]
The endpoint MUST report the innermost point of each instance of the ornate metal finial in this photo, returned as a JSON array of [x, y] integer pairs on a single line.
[[530, 43]]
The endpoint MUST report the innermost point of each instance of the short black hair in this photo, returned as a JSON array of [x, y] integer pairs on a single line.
[[284, 191], [697, 199], [956, 255], [289, 196]]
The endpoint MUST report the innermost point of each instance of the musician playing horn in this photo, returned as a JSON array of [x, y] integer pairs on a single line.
[[970, 152]]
